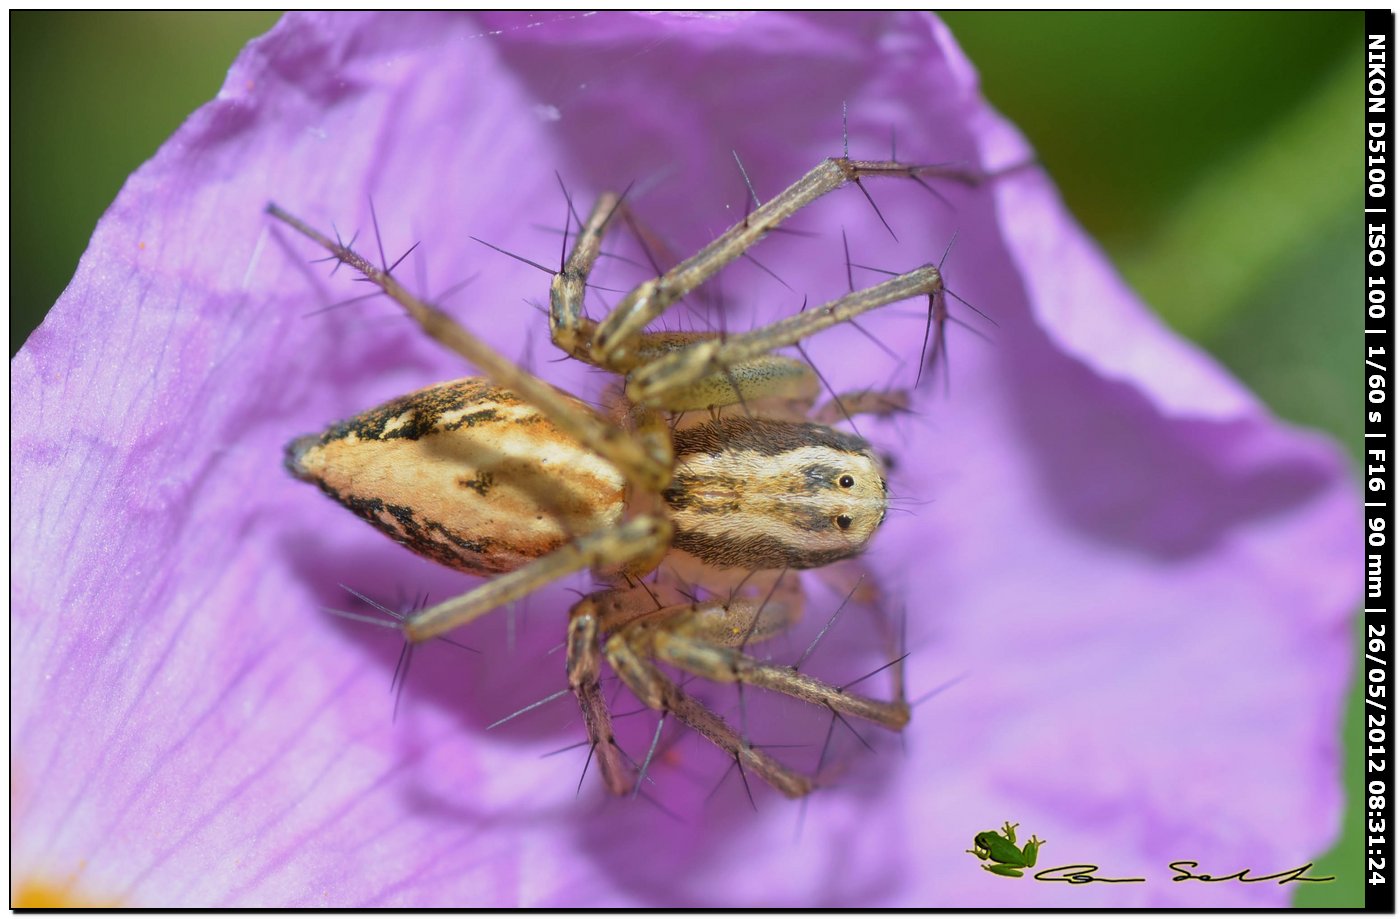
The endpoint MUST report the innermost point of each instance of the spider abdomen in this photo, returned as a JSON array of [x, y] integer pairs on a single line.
[[464, 473]]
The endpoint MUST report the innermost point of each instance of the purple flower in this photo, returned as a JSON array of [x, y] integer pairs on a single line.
[[1131, 585]]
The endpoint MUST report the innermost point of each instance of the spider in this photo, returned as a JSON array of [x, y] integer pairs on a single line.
[[507, 477]]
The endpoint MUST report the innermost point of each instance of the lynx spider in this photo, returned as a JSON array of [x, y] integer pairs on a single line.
[[771, 487]]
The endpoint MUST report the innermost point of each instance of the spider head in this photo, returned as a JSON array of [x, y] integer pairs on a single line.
[[857, 496]]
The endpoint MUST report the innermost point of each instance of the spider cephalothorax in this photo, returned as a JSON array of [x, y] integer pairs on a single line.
[[764, 493]]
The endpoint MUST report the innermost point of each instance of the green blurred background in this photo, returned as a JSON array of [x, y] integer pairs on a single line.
[[1214, 155]]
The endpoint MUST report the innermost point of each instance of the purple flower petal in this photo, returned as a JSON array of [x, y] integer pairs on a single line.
[[1132, 584]]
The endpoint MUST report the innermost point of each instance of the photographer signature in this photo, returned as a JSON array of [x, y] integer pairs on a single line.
[[1084, 874], [1003, 857]]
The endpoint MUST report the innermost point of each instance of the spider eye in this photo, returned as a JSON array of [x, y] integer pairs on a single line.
[[845, 481], [843, 522]]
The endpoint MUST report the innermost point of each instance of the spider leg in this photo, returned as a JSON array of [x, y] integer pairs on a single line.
[[686, 371], [881, 403], [727, 665], [705, 639], [643, 457], [652, 383], [617, 335], [572, 332], [569, 328], [708, 640], [653, 688], [584, 666], [642, 538]]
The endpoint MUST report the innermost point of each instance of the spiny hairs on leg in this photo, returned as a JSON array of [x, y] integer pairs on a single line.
[[633, 457]]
